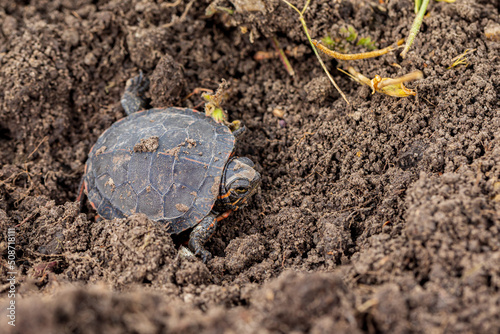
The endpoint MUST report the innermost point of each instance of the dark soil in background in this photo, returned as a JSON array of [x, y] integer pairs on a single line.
[[377, 216]]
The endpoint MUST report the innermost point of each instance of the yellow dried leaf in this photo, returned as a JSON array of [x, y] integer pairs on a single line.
[[392, 87], [397, 90]]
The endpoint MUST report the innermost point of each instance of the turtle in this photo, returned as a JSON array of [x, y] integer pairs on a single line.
[[175, 165]]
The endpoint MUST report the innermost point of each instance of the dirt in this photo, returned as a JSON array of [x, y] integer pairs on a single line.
[[378, 216], [147, 145]]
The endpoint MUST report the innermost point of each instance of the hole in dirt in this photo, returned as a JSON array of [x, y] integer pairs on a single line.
[[5, 134], [346, 9], [334, 72], [181, 239], [398, 55], [356, 230], [61, 267], [67, 189], [423, 28], [423, 281]]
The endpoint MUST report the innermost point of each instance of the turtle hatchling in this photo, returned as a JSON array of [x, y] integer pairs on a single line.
[[175, 165]]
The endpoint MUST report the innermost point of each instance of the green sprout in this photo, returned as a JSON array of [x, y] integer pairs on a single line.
[[213, 107], [350, 32], [213, 103], [420, 9], [418, 3], [328, 41], [367, 43], [350, 35]]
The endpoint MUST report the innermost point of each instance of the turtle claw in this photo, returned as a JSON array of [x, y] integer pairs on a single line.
[[237, 128], [137, 85], [199, 236], [133, 99], [204, 254]]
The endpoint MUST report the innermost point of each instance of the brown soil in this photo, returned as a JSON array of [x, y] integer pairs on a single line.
[[380, 216]]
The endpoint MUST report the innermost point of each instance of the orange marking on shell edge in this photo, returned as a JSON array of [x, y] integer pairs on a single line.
[[224, 215], [120, 120], [80, 192], [93, 206]]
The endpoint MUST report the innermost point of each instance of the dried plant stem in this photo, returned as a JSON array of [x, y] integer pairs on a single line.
[[283, 57], [353, 56], [392, 87], [304, 25], [183, 16], [415, 75], [171, 4]]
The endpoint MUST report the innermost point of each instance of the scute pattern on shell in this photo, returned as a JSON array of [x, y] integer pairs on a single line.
[[174, 184]]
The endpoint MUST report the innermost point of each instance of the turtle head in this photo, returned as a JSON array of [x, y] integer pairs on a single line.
[[239, 182]]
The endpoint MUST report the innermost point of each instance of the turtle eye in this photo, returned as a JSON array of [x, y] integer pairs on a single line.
[[241, 190]]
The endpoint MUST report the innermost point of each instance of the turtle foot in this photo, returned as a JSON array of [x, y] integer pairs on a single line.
[[133, 99]]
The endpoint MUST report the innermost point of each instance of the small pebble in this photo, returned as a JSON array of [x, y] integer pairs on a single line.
[[278, 113]]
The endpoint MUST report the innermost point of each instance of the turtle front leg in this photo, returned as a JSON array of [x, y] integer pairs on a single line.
[[133, 99], [200, 235]]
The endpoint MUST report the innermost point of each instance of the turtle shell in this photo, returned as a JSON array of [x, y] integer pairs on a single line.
[[166, 163]]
